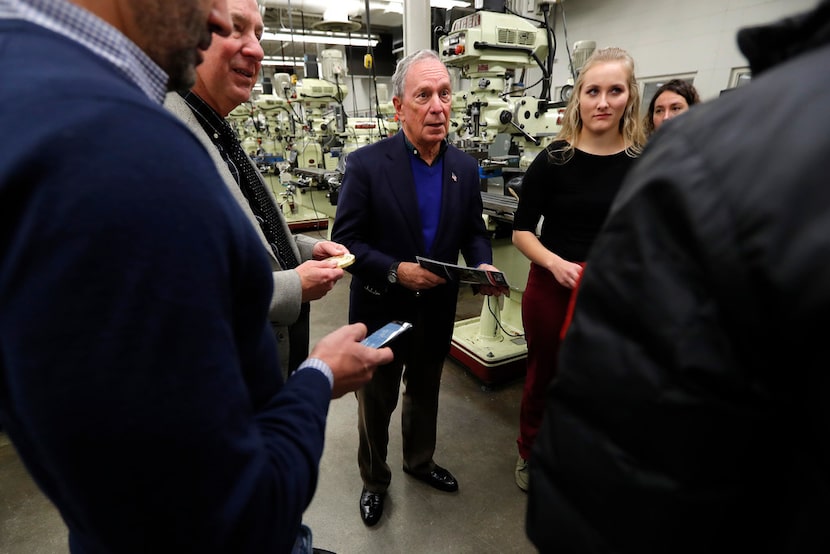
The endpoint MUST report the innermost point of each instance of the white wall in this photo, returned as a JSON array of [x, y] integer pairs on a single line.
[[669, 36]]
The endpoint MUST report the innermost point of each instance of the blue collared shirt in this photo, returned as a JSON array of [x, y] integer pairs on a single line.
[[429, 185], [83, 27]]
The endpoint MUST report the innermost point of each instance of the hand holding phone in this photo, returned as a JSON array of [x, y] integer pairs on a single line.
[[352, 364], [386, 334]]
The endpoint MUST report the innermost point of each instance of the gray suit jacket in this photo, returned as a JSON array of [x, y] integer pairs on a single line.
[[287, 297]]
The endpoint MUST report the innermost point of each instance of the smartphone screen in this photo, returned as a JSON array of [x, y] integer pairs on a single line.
[[385, 334]]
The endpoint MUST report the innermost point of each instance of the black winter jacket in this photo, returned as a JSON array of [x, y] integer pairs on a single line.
[[692, 409]]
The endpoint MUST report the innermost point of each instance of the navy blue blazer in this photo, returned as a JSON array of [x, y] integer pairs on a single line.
[[379, 221]]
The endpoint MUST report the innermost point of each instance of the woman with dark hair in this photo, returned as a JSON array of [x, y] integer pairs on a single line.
[[670, 100]]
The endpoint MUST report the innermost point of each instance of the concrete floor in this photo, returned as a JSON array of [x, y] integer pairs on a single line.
[[477, 430]]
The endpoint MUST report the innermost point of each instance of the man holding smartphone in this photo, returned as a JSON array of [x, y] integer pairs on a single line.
[[139, 376], [386, 334], [376, 222]]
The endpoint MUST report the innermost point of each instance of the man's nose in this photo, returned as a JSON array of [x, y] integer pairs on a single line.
[[253, 48], [435, 103]]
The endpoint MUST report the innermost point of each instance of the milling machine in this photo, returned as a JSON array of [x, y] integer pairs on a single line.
[[360, 131], [321, 125], [241, 119], [280, 121], [311, 152], [488, 48]]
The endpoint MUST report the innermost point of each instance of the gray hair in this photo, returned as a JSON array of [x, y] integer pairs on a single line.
[[403, 66]]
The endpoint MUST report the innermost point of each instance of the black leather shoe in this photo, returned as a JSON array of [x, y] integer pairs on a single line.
[[371, 507], [438, 478]]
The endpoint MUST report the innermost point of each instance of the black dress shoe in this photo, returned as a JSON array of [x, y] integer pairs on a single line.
[[438, 478], [371, 507]]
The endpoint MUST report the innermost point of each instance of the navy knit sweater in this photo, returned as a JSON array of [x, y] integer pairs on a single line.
[[138, 373]]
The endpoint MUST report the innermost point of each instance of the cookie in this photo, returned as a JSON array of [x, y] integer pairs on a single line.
[[343, 261]]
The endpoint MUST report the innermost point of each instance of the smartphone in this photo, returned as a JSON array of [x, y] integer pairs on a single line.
[[386, 334]]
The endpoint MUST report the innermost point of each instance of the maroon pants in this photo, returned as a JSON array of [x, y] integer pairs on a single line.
[[545, 305]]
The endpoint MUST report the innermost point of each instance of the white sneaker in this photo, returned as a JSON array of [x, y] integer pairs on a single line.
[[522, 474]]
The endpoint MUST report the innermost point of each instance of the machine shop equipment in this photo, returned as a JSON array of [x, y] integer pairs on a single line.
[[488, 48], [278, 130], [491, 48], [241, 119], [360, 131], [316, 95]]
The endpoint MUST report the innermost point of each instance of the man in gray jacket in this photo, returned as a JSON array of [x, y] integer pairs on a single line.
[[691, 409], [224, 80]]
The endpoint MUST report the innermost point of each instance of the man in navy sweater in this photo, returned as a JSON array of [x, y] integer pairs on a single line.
[[139, 378]]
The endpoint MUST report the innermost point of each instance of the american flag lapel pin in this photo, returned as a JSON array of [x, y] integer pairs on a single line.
[[454, 178]]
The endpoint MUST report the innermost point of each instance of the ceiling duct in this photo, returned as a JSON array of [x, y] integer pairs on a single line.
[[336, 20]]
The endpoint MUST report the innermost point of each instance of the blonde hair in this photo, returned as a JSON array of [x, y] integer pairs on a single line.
[[630, 124]]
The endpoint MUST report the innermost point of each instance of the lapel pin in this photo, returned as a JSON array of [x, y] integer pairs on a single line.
[[454, 178]]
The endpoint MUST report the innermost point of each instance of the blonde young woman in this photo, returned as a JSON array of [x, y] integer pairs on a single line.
[[570, 184]]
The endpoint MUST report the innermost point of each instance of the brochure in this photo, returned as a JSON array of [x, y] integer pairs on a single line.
[[462, 274]]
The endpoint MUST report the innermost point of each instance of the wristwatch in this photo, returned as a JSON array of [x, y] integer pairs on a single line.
[[392, 274]]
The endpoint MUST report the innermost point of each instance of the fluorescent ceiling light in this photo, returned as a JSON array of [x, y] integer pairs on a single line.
[[342, 39], [445, 4], [276, 60]]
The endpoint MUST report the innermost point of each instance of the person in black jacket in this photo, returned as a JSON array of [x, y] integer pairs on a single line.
[[691, 412]]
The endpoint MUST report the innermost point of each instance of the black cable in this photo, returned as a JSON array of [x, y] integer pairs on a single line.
[[568, 45], [553, 54], [498, 322], [254, 120], [547, 68], [295, 117], [291, 30], [550, 34], [378, 115], [351, 74], [529, 86], [302, 22], [545, 74], [338, 98], [514, 88]]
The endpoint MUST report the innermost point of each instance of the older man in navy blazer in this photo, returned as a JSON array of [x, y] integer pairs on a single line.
[[406, 196]]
